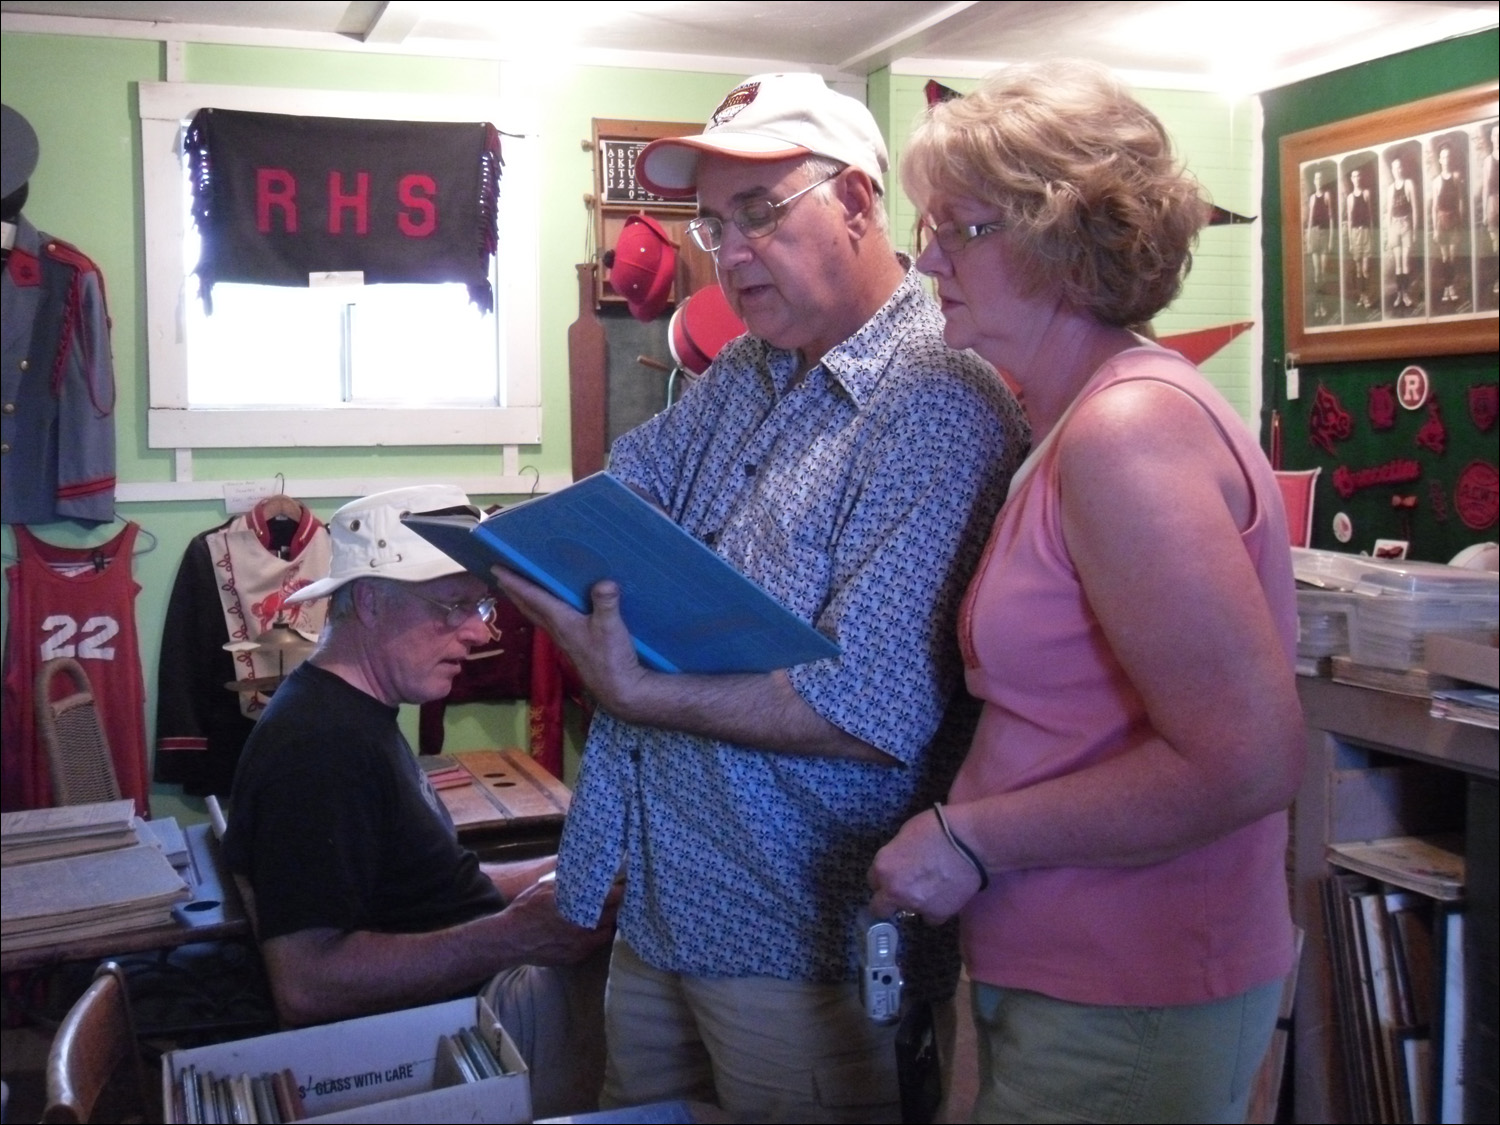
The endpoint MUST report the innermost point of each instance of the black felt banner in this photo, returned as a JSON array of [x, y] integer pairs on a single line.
[[279, 197]]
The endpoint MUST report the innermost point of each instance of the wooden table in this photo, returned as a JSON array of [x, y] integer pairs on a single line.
[[213, 913], [511, 809]]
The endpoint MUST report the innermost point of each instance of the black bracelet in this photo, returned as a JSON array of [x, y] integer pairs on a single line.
[[962, 848]]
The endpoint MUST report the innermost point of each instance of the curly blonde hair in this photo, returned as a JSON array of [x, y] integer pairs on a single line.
[[1084, 179]]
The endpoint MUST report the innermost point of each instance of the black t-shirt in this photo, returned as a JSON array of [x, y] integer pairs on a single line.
[[335, 826]]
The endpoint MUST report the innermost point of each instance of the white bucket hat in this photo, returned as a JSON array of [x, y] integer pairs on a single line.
[[770, 117], [370, 541]]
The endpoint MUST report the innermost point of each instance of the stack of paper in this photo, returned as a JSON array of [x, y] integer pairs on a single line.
[[167, 835], [35, 834], [84, 896], [1478, 707], [1429, 865]]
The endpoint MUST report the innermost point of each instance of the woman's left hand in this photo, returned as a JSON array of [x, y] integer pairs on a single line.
[[920, 870]]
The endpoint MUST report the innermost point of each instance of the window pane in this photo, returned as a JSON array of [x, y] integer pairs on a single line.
[[423, 344], [265, 345]]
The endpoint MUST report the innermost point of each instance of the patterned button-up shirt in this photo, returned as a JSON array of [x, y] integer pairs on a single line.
[[860, 497]]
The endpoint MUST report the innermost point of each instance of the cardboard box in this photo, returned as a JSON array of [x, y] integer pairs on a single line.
[[1471, 656], [378, 1068]]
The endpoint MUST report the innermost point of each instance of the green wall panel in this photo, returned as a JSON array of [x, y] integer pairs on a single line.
[[1433, 527]]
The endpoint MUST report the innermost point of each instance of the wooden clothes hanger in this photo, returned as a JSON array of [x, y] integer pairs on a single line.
[[279, 505]]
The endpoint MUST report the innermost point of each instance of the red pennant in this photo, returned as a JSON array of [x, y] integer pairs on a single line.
[[1198, 346], [1218, 217], [936, 92]]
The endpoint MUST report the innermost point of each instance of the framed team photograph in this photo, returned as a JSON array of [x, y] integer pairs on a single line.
[[1391, 231]]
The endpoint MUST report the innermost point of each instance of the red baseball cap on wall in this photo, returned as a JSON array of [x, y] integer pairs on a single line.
[[643, 266], [702, 325]]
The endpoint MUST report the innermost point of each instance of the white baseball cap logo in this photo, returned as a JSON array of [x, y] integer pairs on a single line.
[[729, 108]]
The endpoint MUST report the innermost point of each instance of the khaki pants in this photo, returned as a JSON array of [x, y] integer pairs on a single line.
[[556, 1017], [763, 1049], [1042, 1059]]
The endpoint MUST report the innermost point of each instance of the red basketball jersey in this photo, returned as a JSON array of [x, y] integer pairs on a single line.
[[78, 602]]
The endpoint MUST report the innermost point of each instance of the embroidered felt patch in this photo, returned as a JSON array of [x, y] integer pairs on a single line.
[[1400, 470], [1433, 435], [1477, 496], [1329, 421], [1382, 406], [1484, 405]]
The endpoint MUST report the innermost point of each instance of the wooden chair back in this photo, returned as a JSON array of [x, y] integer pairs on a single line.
[[94, 1041]]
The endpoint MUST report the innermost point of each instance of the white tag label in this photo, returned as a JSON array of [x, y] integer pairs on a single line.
[[242, 495], [331, 279]]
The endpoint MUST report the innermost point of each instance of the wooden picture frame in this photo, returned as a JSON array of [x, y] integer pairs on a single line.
[[1389, 241]]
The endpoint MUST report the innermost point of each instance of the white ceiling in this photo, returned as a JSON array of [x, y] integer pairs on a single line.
[[1234, 46]]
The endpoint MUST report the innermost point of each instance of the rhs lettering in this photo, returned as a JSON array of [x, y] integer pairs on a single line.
[[348, 196]]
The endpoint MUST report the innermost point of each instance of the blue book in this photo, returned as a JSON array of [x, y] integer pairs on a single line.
[[686, 608]]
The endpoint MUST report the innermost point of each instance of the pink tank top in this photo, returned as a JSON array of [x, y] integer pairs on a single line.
[[1206, 925]]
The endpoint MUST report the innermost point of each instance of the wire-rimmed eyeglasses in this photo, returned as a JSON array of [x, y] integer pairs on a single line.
[[756, 219], [951, 237], [457, 613]]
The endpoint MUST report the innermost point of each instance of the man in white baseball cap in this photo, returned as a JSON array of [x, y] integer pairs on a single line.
[[841, 456], [364, 900]]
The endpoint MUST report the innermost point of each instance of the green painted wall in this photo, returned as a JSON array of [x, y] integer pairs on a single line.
[[1436, 533], [80, 94], [1217, 138]]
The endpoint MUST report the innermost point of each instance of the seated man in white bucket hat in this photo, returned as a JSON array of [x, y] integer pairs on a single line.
[[364, 899]]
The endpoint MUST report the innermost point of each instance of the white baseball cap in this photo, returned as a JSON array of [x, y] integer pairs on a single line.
[[370, 541], [770, 117]]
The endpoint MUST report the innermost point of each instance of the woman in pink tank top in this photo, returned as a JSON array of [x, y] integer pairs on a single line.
[[1114, 843]]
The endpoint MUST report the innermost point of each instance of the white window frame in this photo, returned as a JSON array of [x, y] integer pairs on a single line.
[[173, 424]]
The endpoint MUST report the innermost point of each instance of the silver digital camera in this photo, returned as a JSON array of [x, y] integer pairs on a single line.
[[879, 967]]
